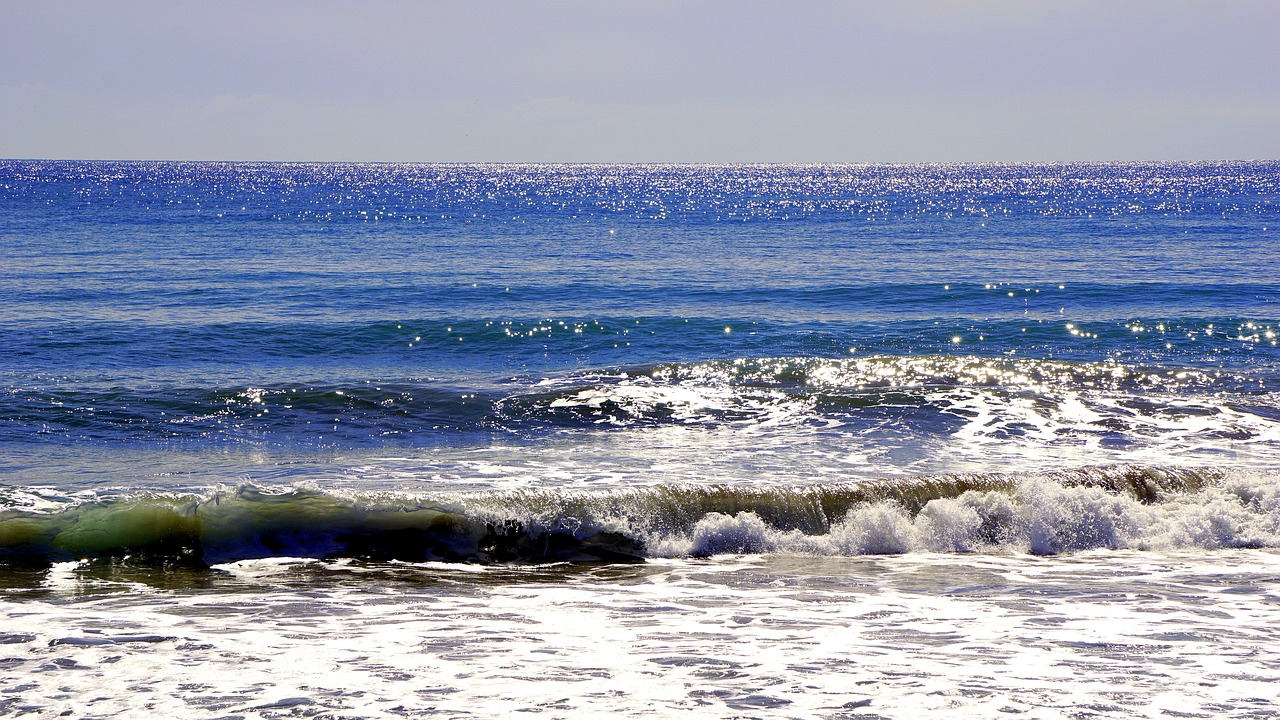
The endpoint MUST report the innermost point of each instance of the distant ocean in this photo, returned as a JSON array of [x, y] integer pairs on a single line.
[[777, 441]]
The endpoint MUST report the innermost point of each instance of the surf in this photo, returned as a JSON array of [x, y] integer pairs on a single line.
[[1064, 511]]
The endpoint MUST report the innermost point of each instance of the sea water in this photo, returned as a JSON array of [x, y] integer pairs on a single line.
[[832, 441]]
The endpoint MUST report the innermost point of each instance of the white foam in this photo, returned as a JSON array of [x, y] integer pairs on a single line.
[[914, 635], [947, 525], [718, 534], [880, 416], [1039, 516], [687, 402]]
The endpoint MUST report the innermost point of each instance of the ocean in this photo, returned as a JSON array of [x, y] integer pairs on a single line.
[[753, 441]]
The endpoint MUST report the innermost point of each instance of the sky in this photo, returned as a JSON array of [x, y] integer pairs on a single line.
[[651, 81]]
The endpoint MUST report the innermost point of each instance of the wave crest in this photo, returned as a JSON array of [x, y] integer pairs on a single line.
[[1107, 507]]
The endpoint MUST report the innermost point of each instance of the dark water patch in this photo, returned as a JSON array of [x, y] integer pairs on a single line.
[[110, 640]]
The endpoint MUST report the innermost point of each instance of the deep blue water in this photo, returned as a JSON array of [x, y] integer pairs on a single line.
[[147, 291]]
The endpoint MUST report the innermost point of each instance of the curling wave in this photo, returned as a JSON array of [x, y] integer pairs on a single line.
[[1106, 507]]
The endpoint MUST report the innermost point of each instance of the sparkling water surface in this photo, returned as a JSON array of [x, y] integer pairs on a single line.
[[283, 440]]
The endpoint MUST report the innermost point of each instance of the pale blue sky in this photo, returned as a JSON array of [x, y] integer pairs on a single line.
[[656, 81]]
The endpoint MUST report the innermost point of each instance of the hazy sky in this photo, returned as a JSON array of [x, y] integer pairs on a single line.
[[652, 81]]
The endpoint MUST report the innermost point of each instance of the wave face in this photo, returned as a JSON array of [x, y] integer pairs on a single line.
[[1110, 507]]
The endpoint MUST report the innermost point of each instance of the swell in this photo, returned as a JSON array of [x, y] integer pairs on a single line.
[[936, 395], [1116, 506]]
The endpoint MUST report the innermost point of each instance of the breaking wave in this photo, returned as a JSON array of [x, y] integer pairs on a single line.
[[1065, 511]]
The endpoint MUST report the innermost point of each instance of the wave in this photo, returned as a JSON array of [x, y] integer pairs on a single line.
[[1064, 511], [998, 413]]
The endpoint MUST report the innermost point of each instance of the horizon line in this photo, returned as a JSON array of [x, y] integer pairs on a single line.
[[649, 163]]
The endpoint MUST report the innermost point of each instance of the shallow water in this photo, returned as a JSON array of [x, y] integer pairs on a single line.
[[1094, 634]]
